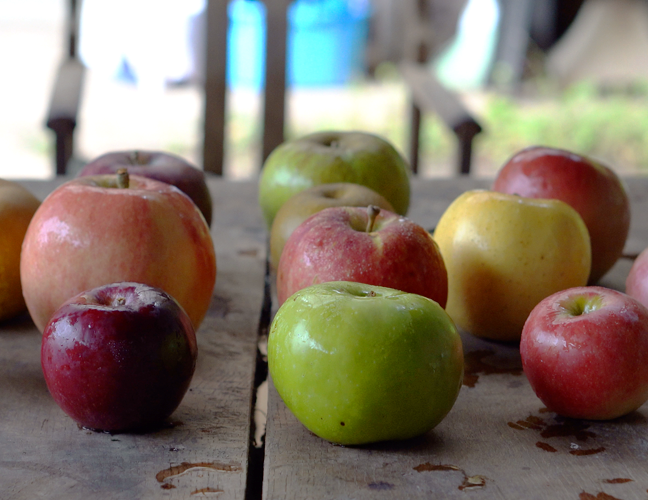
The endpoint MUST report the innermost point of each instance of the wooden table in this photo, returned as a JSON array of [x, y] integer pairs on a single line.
[[498, 442]]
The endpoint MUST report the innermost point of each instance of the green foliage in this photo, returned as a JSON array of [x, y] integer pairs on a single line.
[[611, 126]]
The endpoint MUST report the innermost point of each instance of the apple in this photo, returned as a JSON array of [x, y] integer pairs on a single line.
[[312, 200], [504, 254], [96, 230], [636, 284], [585, 353], [330, 157], [358, 363], [17, 207], [590, 187], [158, 165], [367, 245], [119, 357]]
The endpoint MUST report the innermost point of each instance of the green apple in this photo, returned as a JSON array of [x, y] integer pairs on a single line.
[[329, 157], [358, 364], [505, 253], [312, 200]]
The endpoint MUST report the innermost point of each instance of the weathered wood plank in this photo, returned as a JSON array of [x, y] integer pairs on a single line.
[[498, 442], [203, 449]]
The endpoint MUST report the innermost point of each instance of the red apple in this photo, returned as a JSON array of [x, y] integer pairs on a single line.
[[637, 281], [158, 165], [365, 245], [585, 353], [119, 357], [302, 205], [91, 231], [590, 187]]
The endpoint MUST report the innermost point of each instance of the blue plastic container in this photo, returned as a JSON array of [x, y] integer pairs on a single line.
[[326, 42]]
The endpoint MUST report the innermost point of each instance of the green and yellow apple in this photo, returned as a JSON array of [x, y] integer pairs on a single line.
[[358, 364], [504, 254], [17, 207], [312, 200], [329, 157]]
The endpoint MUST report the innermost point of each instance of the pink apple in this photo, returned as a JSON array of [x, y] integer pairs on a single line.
[[119, 357], [92, 231], [585, 353], [158, 165], [365, 245], [590, 187], [637, 281]]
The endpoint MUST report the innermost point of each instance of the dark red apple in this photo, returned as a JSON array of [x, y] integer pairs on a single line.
[[119, 357], [365, 245], [158, 165], [590, 187], [585, 353]]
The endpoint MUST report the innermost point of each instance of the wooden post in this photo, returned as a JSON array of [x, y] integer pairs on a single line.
[[215, 86], [275, 75]]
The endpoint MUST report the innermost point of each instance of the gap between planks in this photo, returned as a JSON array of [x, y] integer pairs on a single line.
[[259, 402]]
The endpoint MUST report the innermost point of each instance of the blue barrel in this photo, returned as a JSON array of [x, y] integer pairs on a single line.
[[326, 42]]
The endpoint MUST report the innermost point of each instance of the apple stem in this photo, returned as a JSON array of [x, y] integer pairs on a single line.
[[135, 158], [372, 212], [122, 178]]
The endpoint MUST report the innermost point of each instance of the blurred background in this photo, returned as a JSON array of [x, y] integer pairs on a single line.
[[570, 74]]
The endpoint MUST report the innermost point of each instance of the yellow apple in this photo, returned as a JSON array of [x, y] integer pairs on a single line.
[[17, 206], [505, 253]]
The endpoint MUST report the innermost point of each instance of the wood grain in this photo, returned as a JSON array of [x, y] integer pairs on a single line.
[[498, 442], [203, 449]]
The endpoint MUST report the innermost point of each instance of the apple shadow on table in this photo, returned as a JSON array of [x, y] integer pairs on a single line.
[[19, 324], [633, 418], [425, 443]]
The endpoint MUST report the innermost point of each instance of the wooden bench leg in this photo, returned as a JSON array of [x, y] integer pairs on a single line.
[[64, 133], [64, 108], [465, 133], [415, 137]]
